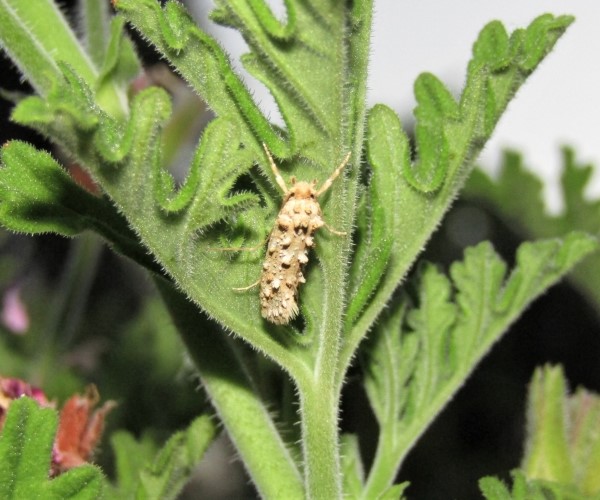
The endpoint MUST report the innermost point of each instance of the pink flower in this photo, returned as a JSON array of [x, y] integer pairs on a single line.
[[13, 388], [14, 312]]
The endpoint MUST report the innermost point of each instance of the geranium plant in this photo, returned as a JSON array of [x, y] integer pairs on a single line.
[[276, 389]]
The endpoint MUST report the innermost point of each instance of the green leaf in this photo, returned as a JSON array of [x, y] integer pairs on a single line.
[[517, 195], [38, 196], [352, 467], [142, 472], [524, 489], [206, 191], [377, 224], [120, 154], [38, 39], [94, 23], [494, 489], [203, 64], [25, 452], [547, 455], [307, 77], [417, 361], [174, 465], [131, 456], [563, 446], [124, 159], [449, 135], [389, 362]]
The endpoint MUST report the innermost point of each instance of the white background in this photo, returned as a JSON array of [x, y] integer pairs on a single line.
[[558, 105]]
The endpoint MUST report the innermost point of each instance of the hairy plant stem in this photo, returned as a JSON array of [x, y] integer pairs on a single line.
[[240, 409], [318, 406]]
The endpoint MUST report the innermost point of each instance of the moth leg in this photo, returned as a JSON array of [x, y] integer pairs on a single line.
[[327, 184], [246, 287], [333, 231], [275, 170]]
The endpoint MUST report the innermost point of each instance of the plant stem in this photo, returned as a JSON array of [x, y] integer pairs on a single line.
[[245, 416], [383, 469], [320, 440]]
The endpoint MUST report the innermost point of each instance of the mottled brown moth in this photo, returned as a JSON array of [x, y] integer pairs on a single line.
[[289, 242]]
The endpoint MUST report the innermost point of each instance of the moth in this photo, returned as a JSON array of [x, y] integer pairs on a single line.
[[290, 240]]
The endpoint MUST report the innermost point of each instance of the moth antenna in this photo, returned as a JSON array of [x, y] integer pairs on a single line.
[[275, 170], [327, 184]]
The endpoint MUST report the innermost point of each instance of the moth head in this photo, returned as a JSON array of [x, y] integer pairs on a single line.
[[303, 190]]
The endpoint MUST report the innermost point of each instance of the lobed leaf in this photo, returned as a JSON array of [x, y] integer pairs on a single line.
[[454, 324], [38, 196], [387, 151], [131, 456], [124, 157], [144, 472], [449, 135], [124, 161], [206, 192], [25, 451], [202, 63], [517, 195], [307, 73], [390, 361], [524, 489]]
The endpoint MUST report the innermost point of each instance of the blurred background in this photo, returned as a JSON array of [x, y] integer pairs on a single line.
[[97, 317]]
